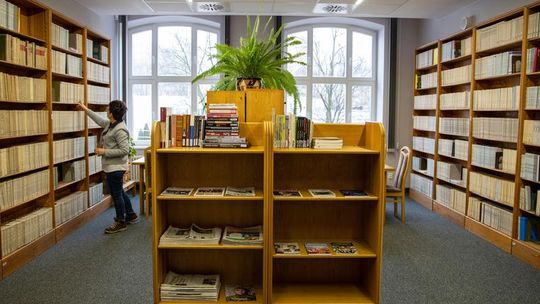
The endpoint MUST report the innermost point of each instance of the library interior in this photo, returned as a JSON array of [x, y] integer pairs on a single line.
[[216, 151]]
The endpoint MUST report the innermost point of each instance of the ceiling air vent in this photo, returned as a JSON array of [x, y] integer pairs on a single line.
[[331, 8], [210, 7], [335, 8]]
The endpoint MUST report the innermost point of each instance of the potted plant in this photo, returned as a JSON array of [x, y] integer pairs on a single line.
[[256, 63]]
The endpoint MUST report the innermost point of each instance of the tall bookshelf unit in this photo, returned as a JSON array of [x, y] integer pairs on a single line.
[[332, 278], [44, 148], [502, 131], [279, 278], [195, 167]]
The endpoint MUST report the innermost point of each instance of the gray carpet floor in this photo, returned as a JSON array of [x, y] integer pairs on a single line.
[[427, 260]]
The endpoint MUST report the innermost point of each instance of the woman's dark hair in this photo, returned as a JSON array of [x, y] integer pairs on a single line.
[[118, 109]]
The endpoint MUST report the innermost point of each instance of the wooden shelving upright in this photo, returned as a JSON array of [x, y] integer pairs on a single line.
[[331, 278], [195, 167], [35, 26]]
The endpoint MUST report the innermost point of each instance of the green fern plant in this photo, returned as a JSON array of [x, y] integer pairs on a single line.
[[256, 59]]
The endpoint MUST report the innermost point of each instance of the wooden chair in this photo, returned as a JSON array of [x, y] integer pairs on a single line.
[[396, 188]]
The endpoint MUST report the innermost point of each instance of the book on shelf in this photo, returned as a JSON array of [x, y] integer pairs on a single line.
[[9, 17], [531, 132], [15, 123], [490, 215], [19, 190], [97, 72], [291, 131], [192, 235], [422, 184], [25, 229], [240, 191], [68, 121], [494, 158], [496, 128], [456, 48], [498, 65], [427, 58], [456, 75], [343, 247], [22, 89], [528, 228], [327, 143], [180, 130], [423, 165], [426, 81], [506, 99], [530, 167], [242, 236], [210, 191], [22, 158], [457, 100], [497, 189], [177, 191], [529, 199], [451, 198], [286, 248], [532, 60], [321, 193], [22, 52], [426, 123], [454, 126], [239, 293], [70, 206], [425, 102], [533, 30], [98, 95], [424, 144], [353, 192], [287, 193], [317, 249], [503, 32], [221, 128], [95, 194], [201, 287], [67, 92]]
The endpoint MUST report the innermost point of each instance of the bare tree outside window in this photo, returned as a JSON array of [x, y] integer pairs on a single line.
[[174, 51]]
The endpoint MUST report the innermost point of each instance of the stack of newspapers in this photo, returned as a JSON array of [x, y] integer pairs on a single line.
[[190, 287]]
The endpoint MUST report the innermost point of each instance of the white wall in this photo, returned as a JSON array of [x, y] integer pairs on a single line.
[[482, 10], [238, 27], [100, 24]]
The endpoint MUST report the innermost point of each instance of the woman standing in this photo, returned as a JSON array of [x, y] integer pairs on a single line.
[[114, 158]]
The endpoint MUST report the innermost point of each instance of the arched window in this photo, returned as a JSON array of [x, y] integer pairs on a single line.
[[164, 55], [339, 82]]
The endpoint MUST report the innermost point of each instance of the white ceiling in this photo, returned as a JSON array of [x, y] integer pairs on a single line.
[[367, 8]]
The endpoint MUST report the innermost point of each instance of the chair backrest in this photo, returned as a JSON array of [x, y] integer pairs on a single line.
[[402, 168]]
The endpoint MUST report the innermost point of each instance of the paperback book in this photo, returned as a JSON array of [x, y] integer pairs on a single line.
[[210, 191], [177, 191], [240, 293], [321, 193], [287, 248], [317, 248], [343, 248], [353, 192], [244, 191], [287, 193]]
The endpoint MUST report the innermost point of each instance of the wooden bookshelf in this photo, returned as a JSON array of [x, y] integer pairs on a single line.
[[243, 264], [35, 25], [513, 105], [306, 219]]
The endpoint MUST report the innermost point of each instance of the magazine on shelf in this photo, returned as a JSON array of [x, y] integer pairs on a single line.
[[242, 236], [240, 293], [177, 191], [353, 192], [286, 248], [317, 248], [321, 193], [287, 193], [210, 191], [343, 247], [240, 191], [190, 287], [191, 235]]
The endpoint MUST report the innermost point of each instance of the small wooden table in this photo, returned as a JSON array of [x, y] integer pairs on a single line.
[[140, 162]]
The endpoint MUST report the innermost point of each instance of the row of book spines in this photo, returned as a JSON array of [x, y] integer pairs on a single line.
[[493, 216], [70, 206], [25, 229], [503, 129], [498, 64], [428, 123], [22, 52], [98, 72], [292, 131], [501, 33], [496, 189], [68, 121], [9, 16], [66, 64], [454, 147], [14, 192], [17, 159], [422, 184], [456, 126], [185, 130], [427, 58], [530, 164], [23, 123], [529, 200], [494, 157], [69, 172], [457, 75], [22, 89], [456, 48], [451, 171], [63, 38], [531, 132], [450, 197], [426, 81], [97, 51]]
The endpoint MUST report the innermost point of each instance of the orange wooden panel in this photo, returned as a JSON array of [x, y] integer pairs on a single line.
[[259, 104], [489, 234], [527, 251]]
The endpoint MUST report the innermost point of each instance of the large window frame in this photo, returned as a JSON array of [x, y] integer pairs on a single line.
[[349, 81], [154, 79]]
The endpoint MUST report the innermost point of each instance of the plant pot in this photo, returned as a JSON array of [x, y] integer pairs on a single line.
[[248, 83]]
